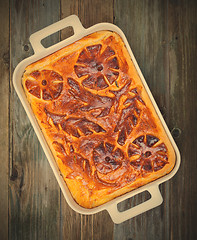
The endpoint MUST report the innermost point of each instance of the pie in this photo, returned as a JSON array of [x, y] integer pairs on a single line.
[[98, 119]]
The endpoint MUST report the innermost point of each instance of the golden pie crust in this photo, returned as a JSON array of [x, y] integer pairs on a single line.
[[98, 119]]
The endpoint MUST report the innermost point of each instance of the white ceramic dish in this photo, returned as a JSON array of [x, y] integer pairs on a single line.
[[40, 52]]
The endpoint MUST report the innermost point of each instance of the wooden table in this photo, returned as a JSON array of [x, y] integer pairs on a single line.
[[163, 37]]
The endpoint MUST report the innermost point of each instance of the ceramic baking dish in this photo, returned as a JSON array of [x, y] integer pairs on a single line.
[[40, 52]]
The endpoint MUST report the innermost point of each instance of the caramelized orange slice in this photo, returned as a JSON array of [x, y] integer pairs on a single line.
[[147, 154], [100, 68], [45, 84]]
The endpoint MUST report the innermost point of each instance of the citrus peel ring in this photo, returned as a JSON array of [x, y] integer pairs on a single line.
[[45, 84]]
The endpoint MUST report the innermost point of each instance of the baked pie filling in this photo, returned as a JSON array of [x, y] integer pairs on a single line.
[[98, 119]]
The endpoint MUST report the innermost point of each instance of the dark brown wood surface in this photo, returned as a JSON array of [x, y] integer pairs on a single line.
[[163, 37], [4, 118]]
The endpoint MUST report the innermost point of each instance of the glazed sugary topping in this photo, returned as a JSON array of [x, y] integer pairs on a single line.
[[147, 154], [45, 84], [96, 118], [100, 69]]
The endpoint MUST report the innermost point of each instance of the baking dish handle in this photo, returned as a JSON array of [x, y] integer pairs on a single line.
[[155, 200], [71, 21]]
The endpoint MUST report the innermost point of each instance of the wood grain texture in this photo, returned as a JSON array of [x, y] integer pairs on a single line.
[[95, 11], [163, 37], [144, 24], [182, 39], [4, 117], [34, 194], [68, 8]]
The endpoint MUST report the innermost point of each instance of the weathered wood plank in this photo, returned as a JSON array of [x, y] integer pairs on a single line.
[[4, 117], [34, 195], [92, 12], [182, 39], [87, 227], [70, 222], [68, 8], [144, 24], [163, 37], [103, 226]]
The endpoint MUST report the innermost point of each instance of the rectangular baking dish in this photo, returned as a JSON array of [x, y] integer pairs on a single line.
[[40, 52]]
